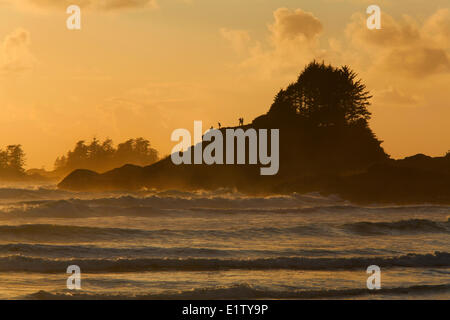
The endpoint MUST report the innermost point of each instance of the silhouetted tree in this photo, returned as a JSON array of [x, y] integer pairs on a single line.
[[60, 162], [12, 160], [324, 95], [100, 156], [16, 157], [3, 159]]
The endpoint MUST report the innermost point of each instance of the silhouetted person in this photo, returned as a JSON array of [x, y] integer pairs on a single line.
[[219, 125]]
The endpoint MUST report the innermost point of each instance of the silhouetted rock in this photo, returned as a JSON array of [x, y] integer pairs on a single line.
[[321, 150]]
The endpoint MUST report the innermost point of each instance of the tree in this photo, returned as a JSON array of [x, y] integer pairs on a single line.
[[78, 157], [3, 159], [15, 158], [60, 162], [12, 160], [324, 96], [100, 156]]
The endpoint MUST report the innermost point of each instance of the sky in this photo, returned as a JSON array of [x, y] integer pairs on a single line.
[[147, 67]]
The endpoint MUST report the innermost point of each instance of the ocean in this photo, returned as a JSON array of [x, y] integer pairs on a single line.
[[217, 245]]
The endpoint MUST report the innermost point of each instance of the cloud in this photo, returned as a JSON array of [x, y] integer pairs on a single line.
[[404, 46], [97, 5], [15, 52], [437, 27], [292, 25], [291, 42], [239, 39], [395, 96], [417, 61], [392, 33], [406, 63]]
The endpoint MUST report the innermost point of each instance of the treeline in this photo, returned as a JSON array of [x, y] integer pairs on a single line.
[[103, 155], [12, 161]]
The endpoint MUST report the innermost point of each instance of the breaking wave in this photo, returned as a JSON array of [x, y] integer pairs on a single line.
[[399, 227], [245, 292], [41, 232], [128, 205], [28, 264], [55, 232], [71, 233], [91, 251]]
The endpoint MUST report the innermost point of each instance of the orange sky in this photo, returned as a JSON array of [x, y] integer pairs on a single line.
[[145, 68]]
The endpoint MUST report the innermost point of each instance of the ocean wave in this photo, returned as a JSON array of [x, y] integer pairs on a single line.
[[133, 205], [327, 208], [72, 208], [73, 233], [399, 227], [56, 232], [45, 232], [88, 251], [31, 193], [91, 251], [20, 263], [244, 291], [51, 192], [171, 200]]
